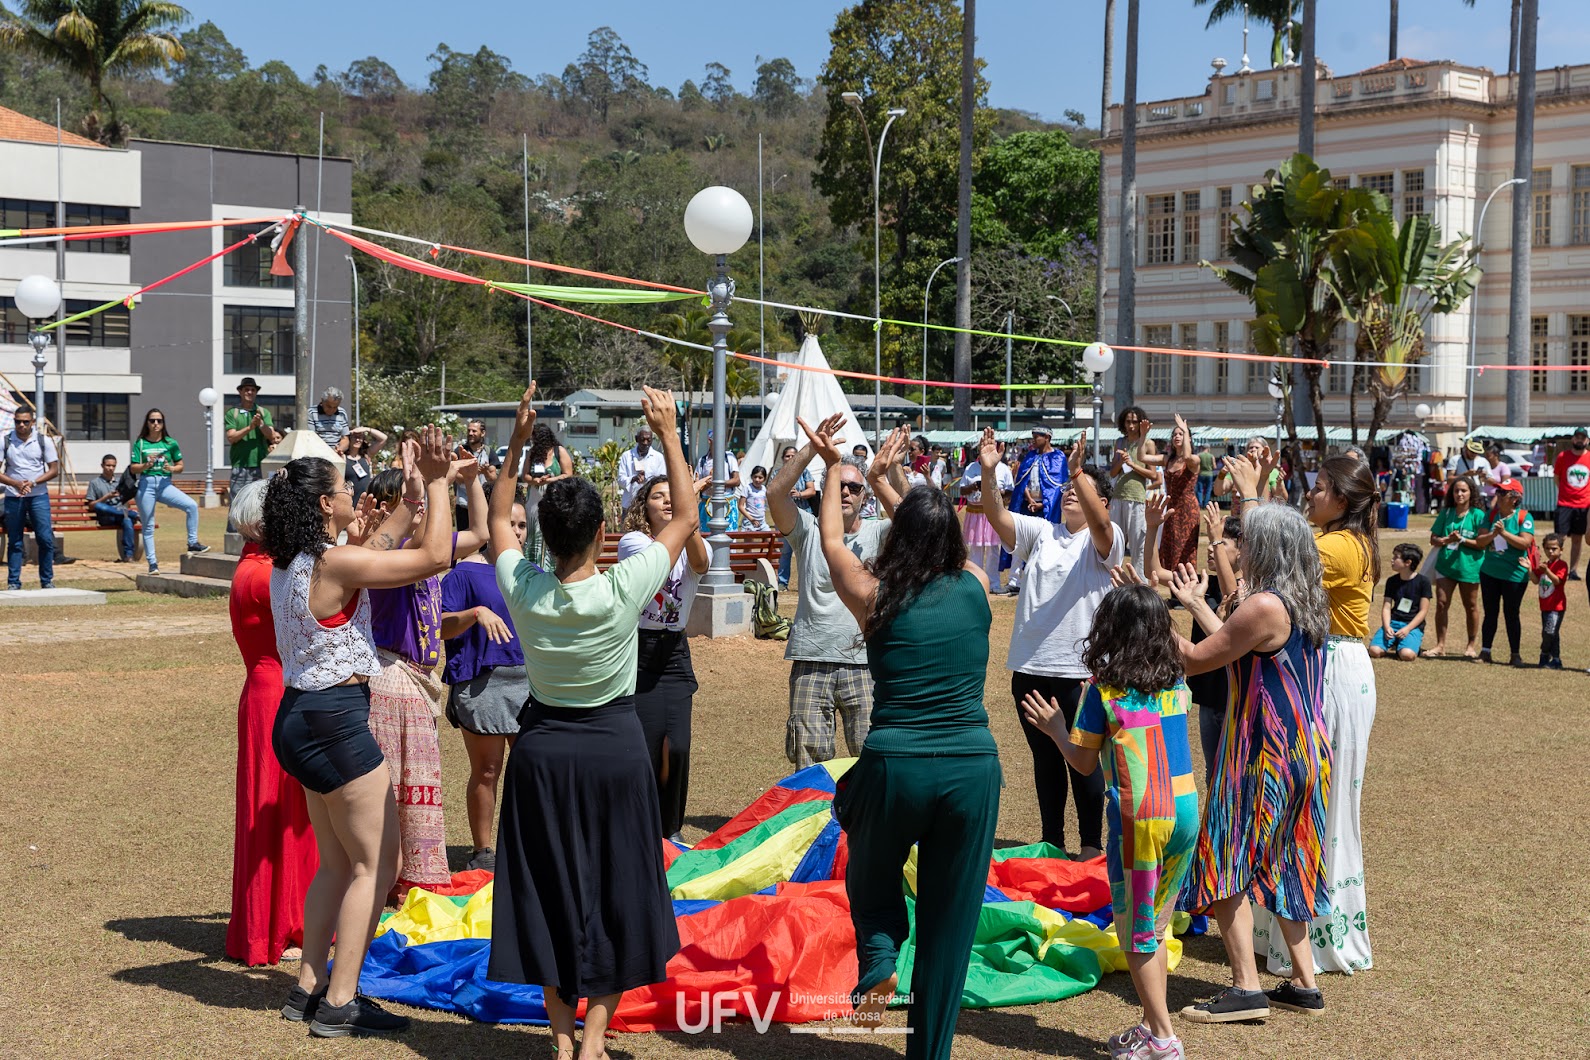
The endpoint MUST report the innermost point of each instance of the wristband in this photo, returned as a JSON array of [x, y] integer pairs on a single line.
[[412, 502], [1250, 500]]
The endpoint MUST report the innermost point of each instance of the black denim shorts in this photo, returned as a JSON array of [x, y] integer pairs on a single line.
[[323, 739]]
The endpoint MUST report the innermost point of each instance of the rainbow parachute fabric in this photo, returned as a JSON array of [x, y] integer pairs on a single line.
[[765, 923]]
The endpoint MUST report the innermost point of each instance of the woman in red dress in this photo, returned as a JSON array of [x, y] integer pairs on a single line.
[[1178, 541], [273, 854]]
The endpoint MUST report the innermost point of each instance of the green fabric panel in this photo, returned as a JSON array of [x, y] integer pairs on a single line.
[[693, 863], [599, 295], [1031, 850]]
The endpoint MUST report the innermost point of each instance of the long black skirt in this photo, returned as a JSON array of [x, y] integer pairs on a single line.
[[665, 690], [581, 900]]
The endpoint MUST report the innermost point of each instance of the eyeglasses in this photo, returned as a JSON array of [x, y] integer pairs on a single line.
[[23, 423], [155, 419], [855, 488]]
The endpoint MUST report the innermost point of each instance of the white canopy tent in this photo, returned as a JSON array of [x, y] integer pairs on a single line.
[[812, 396]]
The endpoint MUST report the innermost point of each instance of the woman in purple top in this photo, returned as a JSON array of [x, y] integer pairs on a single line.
[[489, 685], [406, 696]]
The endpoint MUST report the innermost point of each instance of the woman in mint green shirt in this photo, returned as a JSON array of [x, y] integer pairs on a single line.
[[156, 456], [1504, 575], [582, 907], [1457, 565]]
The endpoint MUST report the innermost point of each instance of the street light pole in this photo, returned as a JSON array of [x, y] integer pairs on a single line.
[[925, 293], [1098, 358], [208, 398], [356, 418], [854, 100], [38, 298], [1010, 323], [1474, 309]]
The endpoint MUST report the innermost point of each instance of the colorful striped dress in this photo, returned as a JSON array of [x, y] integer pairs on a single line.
[[1264, 826], [1151, 802]]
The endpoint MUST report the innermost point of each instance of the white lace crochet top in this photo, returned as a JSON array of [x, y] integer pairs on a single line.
[[316, 656]]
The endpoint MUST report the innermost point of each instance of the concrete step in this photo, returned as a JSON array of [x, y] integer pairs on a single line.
[[188, 585], [209, 565]]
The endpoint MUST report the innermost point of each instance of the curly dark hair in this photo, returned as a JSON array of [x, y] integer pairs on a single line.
[[543, 443], [293, 522], [570, 516], [1130, 644], [635, 514], [386, 487], [1130, 410], [924, 543]]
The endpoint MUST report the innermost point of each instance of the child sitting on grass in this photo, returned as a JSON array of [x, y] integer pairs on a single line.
[[1406, 606], [1551, 574], [1136, 705]]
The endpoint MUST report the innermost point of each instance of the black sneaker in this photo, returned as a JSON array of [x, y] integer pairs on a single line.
[[1228, 1006], [1297, 999], [484, 858], [301, 1005], [198, 549], [1573, 575], [360, 1016]]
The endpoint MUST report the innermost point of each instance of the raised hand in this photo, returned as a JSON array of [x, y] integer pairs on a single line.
[[524, 418], [497, 631], [1245, 477], [894, 443], [1188, 584], [434, 458], [365, 519], [1214, 522], [413, 481], [989, 452], [462, 471], [1078, 456], [1125, 574], [1044, 714], [1154, 511], [823, 444], [661, 415]]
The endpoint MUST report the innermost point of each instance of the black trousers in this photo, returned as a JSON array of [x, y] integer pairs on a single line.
[[665, 689], [1501, 599], [1049, 770]]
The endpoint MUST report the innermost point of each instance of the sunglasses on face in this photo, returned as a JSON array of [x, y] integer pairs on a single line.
[[853, 488], [154, 419], [24, 423]]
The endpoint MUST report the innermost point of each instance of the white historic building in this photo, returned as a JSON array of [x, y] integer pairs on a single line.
[[1436, 138]]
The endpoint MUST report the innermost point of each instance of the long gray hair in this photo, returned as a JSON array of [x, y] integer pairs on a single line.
[[248, 510], [1281, 557]]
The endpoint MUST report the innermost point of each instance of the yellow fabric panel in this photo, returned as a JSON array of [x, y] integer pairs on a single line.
[[425, 917], [772, 862], [1058, 929]]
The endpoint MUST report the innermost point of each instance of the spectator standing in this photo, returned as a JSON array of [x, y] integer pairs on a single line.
[[250, 433], [29, 461], [731, 485], [329, 420], [1136, 477], [105, 500], [829, 675], [1039, 484], [1572, 469], [1551, 574], [753, 501], [637, 464], [982, 542], [544, 462], [1457, 566], [1504, 572], [363, 442], [1178, 538], [474, 448], [156, 456]]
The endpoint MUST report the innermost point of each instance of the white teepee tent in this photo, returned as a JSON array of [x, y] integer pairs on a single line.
[[813, 396]]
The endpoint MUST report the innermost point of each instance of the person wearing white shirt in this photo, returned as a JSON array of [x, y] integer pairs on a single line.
[[982, 543], [638, 464]]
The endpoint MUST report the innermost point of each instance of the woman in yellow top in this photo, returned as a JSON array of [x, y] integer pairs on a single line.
[[1344, 507]]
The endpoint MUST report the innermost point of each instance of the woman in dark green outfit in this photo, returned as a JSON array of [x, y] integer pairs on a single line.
[[929, 772]]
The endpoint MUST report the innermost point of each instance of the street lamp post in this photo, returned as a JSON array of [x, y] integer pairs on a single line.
[[1098, 359], [1278, 392], [39, 298], [854, 100], [356, 420], [718, 221], [925, 293], [1474, 308], [209, 399]]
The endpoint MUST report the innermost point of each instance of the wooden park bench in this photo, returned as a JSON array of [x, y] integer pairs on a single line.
[[69, 514], [746, 549], [193, 486]]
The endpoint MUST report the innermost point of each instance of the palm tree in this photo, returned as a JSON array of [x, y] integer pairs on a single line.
[[97, 39], [1280, 14], [1523, 166], [963, 219]]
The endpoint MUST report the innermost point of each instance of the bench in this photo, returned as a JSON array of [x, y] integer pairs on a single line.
[[746, 549], [193, 486], [69, 514]]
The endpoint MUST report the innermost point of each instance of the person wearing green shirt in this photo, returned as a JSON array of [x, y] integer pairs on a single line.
[[249, 436], [1457, 565], [1504, 572], [1206, 476], [156, 456]]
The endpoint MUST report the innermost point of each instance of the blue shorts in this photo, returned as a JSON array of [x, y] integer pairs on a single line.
[[1412, 641]]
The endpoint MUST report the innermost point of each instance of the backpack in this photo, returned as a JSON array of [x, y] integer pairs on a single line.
[[766, 622]]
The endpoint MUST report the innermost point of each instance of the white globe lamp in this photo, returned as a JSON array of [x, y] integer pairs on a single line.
[[1276, 390], [771, 399], [1422, 411], [208, 397], [1098, 358], [39, 297], [718, 220]]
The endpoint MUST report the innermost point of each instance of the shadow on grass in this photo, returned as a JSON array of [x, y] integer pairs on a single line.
[[743, 1040], [202, 933], [708, 823]]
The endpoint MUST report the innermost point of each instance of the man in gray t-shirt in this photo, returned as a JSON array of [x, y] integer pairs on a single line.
[[830, 673]]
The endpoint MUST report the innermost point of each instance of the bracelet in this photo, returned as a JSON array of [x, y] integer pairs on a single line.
[[412, 502], [1250, 500]]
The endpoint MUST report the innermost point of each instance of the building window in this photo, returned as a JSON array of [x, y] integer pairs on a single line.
[[1191, 222], [1540, 198], [1223, 225], [1263, 91], [96, 417], [1581, 205], [1412, 193], [1187, 373], [32, 213], [1539, 354], [259, 340], [1156, 366], [13, 325], [1222, 366], [1342, 183], [249, 266], [111, 328], [1381, 182], [1579, 353], [1161, 228], [281, 409]]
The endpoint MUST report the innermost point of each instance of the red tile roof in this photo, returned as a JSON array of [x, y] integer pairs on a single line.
[[14, 126]]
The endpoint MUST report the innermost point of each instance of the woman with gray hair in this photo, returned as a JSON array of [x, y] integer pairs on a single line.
[[1264, 826], [274, 856]]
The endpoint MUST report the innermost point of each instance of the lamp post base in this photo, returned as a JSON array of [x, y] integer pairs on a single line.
[[720, 611], [210, 500]]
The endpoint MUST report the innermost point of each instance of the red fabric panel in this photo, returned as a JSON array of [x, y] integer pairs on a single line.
[[1075, 886]]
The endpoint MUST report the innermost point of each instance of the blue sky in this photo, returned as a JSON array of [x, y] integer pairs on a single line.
[[1043, 55]]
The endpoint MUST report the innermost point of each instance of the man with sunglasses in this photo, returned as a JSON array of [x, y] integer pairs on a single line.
[[29, 461]]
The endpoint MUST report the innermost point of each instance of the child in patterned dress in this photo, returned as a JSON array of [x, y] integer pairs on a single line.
[[1134, 717]]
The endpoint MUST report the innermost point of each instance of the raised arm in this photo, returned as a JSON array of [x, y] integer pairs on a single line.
[[350, 567], [1260, 623], [1093, 506], [499, 513], [474, 537], [855, 586], [661, 418], [880, 473], [999, 517]]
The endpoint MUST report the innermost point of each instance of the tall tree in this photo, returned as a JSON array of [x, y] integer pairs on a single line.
[[1523, 166], [963, 219], [209, 63], [95, 40], [1126, 293], [1281, 15], [1104, 184], [777, 86], [607, 71]]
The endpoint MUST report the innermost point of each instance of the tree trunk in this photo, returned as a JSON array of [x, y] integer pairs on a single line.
[[1523, 164], [1126, 304], [1352, 403], [1391, 57], [1100, 270], [963, 220], [1512, 40], [1305, 100]]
